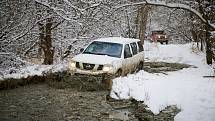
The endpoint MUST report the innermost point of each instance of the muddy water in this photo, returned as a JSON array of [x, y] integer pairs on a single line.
[[43, 103]]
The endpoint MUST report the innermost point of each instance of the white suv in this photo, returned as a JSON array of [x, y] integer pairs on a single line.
[[109, 56]]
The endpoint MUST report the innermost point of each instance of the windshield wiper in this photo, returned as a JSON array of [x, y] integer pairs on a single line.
[[88, 53], [103, 54], [98, 54]]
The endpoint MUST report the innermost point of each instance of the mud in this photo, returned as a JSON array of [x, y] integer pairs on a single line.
[[162, 67]]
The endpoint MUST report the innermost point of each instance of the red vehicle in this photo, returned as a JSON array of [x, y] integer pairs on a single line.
[[159, 36]]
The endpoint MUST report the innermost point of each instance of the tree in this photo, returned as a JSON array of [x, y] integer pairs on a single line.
[[141, 22], [15, 23]]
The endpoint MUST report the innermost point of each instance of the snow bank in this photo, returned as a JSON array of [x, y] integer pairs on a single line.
[[181, 53], [186, 88], [33, 70]]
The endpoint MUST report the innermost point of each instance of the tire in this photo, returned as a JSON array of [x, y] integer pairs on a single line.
[[108, 82], [118, 73], [167, 42], [139, 67], [161, 42]]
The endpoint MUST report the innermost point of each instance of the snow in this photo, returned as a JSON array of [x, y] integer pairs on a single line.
[[33, 70], [120, 40], [187, 88]]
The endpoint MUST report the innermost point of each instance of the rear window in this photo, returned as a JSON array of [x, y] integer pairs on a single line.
[[134, 48], [140, 46]]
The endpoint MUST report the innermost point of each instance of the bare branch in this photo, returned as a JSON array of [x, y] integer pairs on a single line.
[[57, 24]]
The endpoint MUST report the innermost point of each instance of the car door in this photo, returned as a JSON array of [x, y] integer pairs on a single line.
[[127, 61]]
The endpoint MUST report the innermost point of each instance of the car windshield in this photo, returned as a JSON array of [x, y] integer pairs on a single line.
[[158, 32], [104, 48]]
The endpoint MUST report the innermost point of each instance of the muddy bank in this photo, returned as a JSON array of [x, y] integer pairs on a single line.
[[58, 80], [11, 83], [162, 67]]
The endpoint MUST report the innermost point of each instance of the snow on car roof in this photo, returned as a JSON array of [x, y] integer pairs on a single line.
[[120, 40]]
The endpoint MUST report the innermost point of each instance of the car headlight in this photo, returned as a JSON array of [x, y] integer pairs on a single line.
[[72, 64], [159, 36], [107, 68]]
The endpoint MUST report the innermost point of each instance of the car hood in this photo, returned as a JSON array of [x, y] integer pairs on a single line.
[[95, 59]]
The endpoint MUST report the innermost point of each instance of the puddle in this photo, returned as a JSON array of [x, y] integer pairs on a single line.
[[161, 67], [122, 114]]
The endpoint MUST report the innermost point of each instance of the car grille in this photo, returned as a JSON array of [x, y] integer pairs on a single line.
[[162, 37], [100, 67], [77, 65], [88, 66]]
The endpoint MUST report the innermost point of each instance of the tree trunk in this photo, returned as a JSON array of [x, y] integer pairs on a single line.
[[209, 52], [128, 24], [48, 51], [46, 41], [202, 46], [141, 22]]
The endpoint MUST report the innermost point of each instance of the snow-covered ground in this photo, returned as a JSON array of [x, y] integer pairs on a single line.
[[187, 88], [34, 69]]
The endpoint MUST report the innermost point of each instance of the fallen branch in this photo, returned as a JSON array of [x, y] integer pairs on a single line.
[[209, 76]]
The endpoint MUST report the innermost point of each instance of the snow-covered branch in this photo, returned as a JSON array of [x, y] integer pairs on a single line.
[[56, 10], [171, 5], [74, 7], [62, 13]]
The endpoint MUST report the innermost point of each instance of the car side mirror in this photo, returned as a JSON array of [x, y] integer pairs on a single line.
[[81, 50]]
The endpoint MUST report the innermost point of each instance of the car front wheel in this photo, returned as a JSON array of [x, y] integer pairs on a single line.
[[118, 73], [167, 42]]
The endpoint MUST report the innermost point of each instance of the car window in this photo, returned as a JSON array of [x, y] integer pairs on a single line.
[[134, 48], [127, 51], [140, 46], [104, 48]]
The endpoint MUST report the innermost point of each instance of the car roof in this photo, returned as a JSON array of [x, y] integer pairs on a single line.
[[120, 40]]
